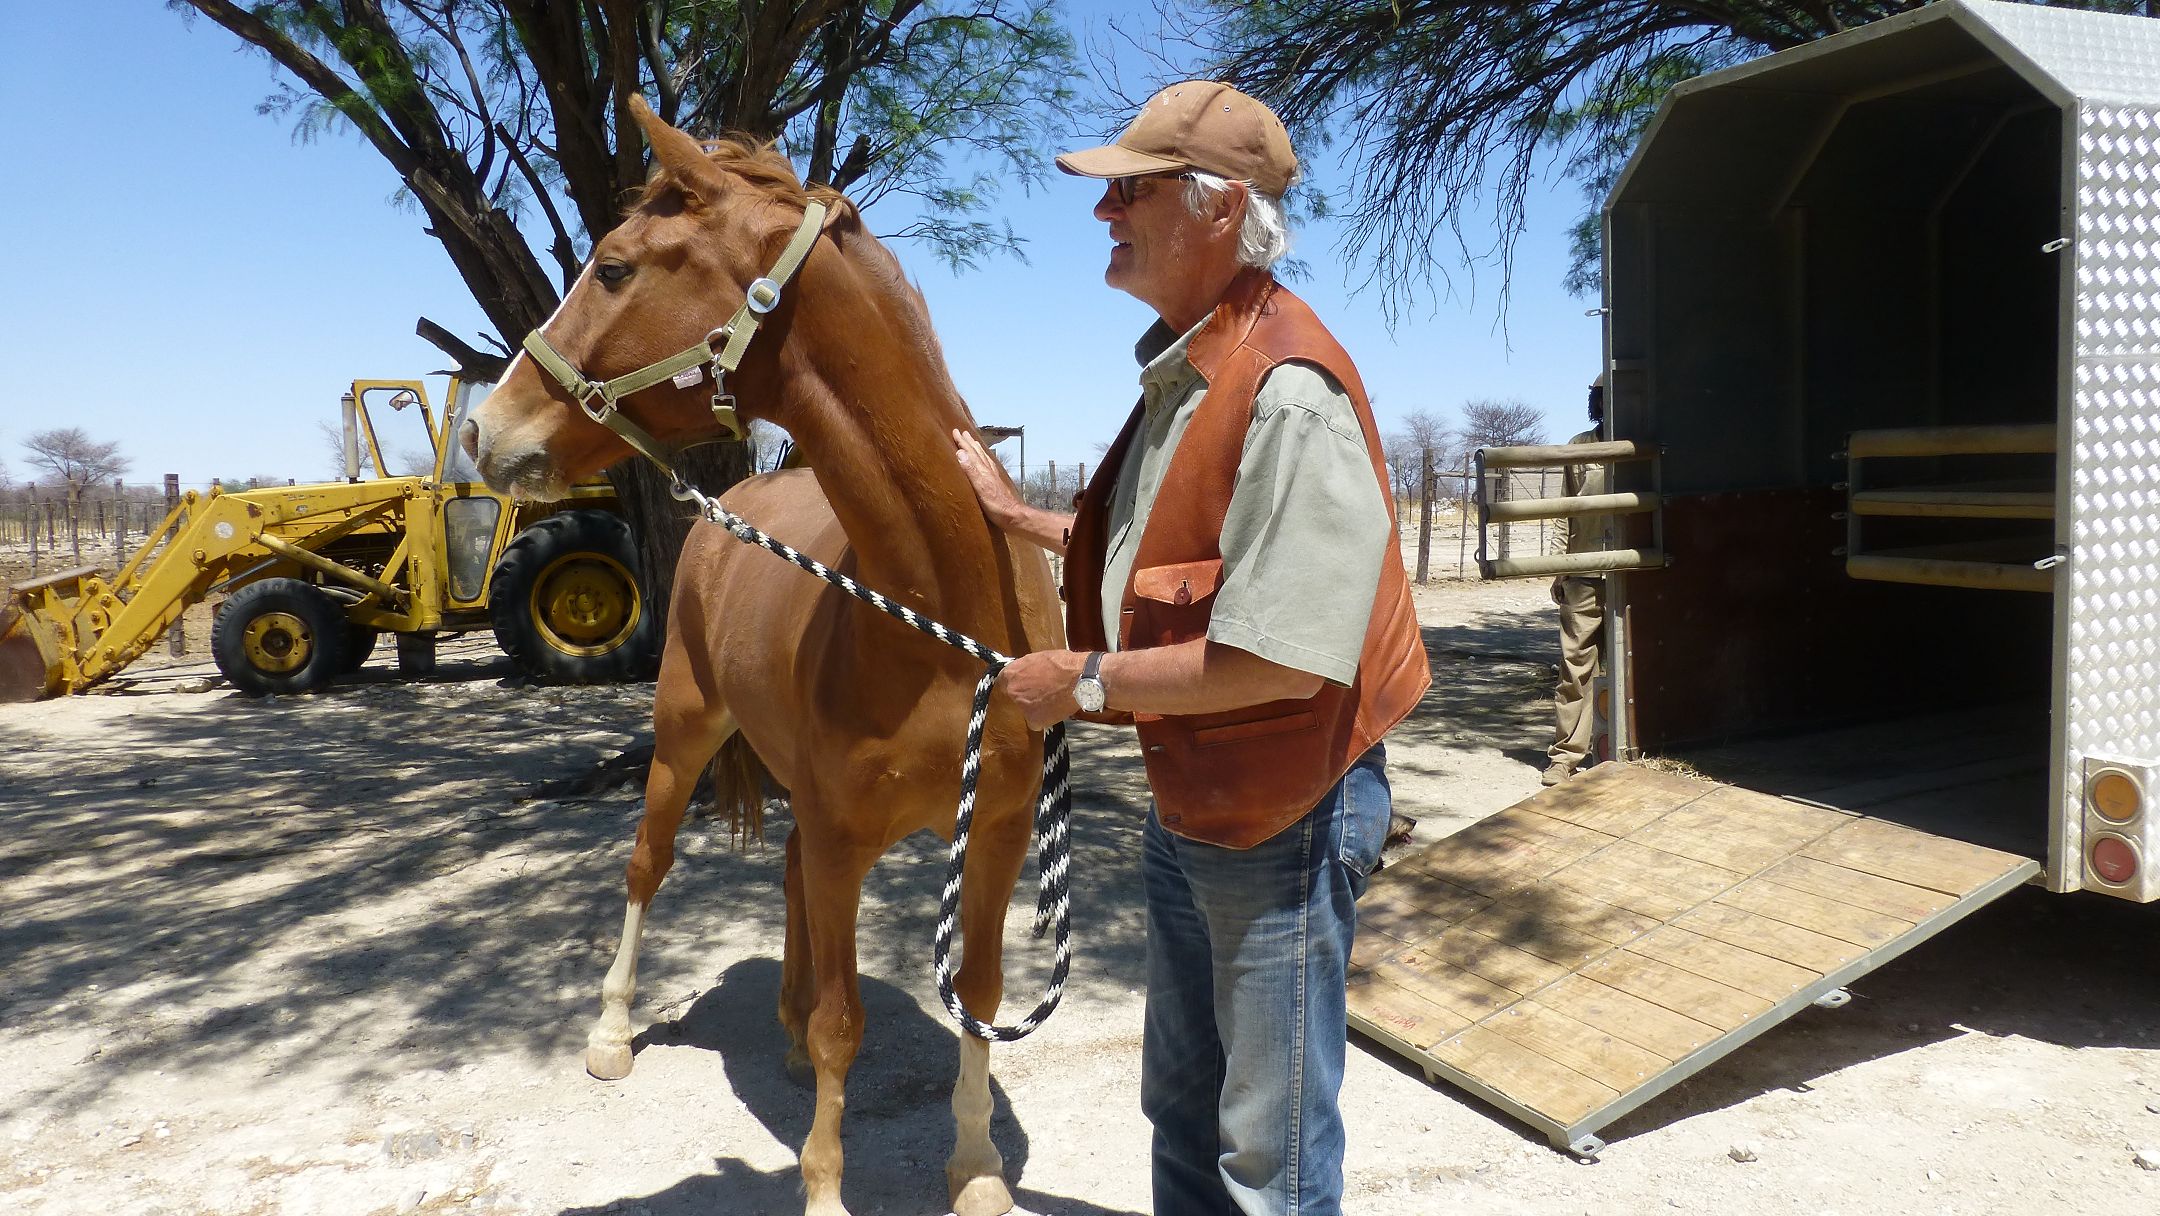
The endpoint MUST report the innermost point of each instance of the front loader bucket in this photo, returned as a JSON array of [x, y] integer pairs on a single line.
[[29, 656]]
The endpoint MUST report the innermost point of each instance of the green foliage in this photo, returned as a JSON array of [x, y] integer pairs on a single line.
[[505, 119], [1444, 107]]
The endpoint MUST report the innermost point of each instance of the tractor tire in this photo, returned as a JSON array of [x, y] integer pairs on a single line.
[[566, 606], [279, 636], [359, 645]]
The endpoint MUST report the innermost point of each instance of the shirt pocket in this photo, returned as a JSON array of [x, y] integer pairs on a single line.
[[1173, 603]]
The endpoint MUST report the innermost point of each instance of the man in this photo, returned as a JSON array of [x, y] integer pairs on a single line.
[[1234, 587], [1581, 598]]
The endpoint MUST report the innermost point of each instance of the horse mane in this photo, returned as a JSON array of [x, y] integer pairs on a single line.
[[759, 164]]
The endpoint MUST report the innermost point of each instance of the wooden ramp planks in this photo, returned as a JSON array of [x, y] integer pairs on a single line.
[[1595, 944]]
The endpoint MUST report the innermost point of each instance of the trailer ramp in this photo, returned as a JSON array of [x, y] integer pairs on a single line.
[[1590, 947]]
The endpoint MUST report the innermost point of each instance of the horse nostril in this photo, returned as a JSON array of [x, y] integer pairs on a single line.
[[469, 439]]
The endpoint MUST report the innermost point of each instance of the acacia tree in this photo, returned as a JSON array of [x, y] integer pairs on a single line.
[[69, 454], [1500, 424], [508, 123], [1443, 104]]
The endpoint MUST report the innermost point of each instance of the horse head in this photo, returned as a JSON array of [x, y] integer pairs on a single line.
[[659, 285]]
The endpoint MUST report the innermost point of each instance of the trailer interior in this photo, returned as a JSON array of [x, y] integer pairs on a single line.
[[1835, 304]]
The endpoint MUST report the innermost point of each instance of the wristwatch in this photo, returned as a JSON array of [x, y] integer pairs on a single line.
[[1088, 690]]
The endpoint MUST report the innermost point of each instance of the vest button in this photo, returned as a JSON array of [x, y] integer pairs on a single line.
[[1155, 747]]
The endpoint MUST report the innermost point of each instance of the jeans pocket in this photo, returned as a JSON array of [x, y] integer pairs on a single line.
[[1367, 806]]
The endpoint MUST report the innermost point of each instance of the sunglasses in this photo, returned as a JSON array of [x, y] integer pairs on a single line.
[[1128, 188]]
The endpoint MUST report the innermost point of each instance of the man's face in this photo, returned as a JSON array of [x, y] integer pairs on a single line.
[[1152, 235]]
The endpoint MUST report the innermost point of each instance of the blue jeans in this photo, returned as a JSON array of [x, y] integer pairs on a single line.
[[1247, 958]]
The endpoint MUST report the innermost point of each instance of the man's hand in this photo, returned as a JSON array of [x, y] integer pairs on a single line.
[[1045, 529], [994, 492], [1042, 685]]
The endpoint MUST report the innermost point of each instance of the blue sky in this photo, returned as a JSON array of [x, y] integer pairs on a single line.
[[192, 282]]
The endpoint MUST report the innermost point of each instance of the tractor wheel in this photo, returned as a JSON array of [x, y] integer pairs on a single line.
[[279, 636], [566, 606], [359, 645]]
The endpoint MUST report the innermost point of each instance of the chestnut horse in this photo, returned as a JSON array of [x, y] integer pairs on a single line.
[[859, 717]]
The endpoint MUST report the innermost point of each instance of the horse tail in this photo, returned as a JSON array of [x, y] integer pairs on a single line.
[[739, 779]]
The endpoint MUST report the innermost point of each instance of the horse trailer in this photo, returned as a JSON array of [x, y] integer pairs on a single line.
[[1882, 562]]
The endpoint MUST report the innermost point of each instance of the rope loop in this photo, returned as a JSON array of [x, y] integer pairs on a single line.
[[1053, 806]]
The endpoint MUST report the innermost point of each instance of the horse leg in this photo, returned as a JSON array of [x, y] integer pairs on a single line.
[[975, 1173], [832, 875], [798, 978], [688, 729]]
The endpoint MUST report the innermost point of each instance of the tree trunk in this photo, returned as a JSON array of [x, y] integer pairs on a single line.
[[658, 521]]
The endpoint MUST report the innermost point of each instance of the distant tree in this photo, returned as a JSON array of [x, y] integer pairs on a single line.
[[1403, 462], [69, 454], [1499, 424], [1427, 434], [333, 446]]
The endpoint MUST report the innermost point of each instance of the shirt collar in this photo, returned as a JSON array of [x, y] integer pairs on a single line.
[[1164, 366]]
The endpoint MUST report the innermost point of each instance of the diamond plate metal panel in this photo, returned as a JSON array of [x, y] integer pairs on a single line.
[[2118, 230], [2114, 626], [2093, 55]]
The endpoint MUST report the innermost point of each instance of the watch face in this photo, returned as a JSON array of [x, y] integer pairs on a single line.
[[1089, 693]]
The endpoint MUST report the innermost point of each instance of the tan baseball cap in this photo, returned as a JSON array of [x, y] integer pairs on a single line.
[[1197, 124]]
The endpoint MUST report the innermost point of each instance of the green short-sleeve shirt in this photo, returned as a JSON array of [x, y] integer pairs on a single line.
[[1307, 527]]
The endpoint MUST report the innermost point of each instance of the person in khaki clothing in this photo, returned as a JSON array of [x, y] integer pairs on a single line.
[[1234, 589], [1581, 598]]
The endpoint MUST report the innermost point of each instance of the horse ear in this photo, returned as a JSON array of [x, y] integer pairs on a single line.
[[679, 156]]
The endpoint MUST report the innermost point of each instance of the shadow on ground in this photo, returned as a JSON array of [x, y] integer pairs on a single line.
[[351, 880], [899, 1114]]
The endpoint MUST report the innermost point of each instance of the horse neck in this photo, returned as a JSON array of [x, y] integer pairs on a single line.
[[871, 403]]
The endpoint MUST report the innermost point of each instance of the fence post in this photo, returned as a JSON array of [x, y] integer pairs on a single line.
[[1462, 523], [119, 534], [176, 637], [30, 525], [1424, 526], [74, 518]]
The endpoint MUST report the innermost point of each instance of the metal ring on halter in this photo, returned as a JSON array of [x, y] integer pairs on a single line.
[[762, 297]]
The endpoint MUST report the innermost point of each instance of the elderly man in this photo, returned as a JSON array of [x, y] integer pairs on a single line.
[[1233, 588]]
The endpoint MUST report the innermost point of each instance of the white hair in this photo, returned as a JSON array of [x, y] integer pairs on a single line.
[[1264, 237]]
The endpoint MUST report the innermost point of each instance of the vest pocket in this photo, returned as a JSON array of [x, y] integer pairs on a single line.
[[1258, 728], [1173, 603]]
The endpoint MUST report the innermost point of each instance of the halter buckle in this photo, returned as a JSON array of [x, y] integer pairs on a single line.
[[762, 296]]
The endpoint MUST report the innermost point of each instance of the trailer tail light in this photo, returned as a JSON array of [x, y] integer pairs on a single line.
[[2114, 795], [2114, 860], [2120, 830]]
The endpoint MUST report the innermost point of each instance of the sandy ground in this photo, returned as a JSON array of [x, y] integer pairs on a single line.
[[328, 955]]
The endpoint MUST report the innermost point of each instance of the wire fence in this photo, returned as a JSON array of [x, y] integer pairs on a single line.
[[47, 527]]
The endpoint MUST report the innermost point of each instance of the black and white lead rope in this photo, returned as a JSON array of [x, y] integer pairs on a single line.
[[1053, 809]]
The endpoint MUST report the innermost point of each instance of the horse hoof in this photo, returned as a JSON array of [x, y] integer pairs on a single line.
[[800, 1070], [984, 1195], [608, 1061]]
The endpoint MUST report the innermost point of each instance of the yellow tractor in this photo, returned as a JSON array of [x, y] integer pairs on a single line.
[[314, 575]]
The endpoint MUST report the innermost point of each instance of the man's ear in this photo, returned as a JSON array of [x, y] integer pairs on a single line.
[[679, 156], [1234, 202]]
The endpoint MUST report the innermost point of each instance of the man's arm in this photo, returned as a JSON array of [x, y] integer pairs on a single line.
[[1196, 677], [1044, 529]]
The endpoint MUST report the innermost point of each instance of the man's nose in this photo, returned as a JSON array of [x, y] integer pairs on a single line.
[[1109, 207]]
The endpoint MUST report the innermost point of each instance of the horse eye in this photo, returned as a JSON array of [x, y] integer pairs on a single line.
[[612, 273]]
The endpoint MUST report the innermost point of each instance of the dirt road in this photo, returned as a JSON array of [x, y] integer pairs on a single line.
[[324, 955]]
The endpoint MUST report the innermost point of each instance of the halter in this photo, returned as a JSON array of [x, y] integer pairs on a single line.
[[722, 350]]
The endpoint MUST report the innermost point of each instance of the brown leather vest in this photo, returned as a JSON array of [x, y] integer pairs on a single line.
[[1238, 777]]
